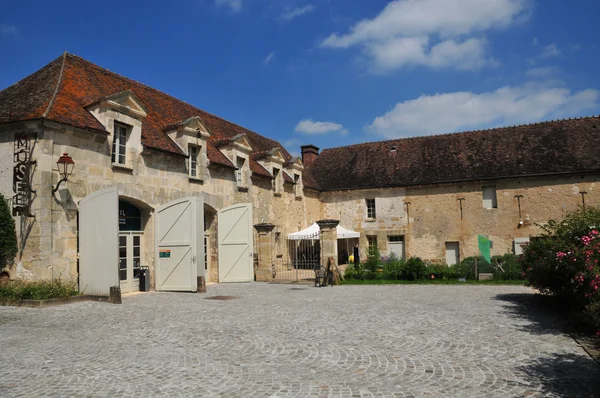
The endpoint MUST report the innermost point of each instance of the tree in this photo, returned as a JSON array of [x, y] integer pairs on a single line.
[[8, 235]]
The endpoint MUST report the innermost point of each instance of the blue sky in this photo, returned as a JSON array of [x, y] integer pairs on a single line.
[[331, 72]]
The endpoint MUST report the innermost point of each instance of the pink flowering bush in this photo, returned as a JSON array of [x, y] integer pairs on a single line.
[[565, 262]]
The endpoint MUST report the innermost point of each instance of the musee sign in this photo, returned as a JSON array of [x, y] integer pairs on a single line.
[[22, 174]]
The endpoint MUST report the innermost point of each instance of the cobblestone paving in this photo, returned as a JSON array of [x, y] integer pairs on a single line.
[[286, 341]]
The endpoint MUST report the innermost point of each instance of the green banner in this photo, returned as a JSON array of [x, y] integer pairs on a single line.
[[484, 248]]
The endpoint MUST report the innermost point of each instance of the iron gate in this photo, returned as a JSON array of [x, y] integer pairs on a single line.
[[294, 260]]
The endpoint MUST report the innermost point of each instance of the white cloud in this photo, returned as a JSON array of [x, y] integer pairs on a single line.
[[308, 126], [459, 111], [269, 58], [234, 5], [550, 51], [9, 31], [437, 33], [542, 72], [297, 12]]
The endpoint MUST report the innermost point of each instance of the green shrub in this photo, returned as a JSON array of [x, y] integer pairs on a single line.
[[415, 269], [507, 267], [373, 263], [394, 267], [42, 290], [8, 235]]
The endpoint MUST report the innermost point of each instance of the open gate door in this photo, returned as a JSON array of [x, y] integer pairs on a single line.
[[179, 228], [99, 242], [235, 243]]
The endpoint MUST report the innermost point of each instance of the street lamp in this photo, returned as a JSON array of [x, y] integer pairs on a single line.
[[65, 168]]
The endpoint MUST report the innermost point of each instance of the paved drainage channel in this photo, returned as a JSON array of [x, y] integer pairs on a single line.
[[298, 288], [221, 298]]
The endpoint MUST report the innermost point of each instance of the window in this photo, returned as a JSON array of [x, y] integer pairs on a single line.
[[297, 189], [275, 180], [452, 253], [371, 209], [489, 197], [119, 145], [520, 244], [240, 175], [396, 246], [193, 166], [372, 239]]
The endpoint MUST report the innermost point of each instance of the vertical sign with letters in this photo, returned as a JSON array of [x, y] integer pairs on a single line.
[[22, 174]]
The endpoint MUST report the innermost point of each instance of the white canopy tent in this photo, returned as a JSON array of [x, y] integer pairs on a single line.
[[313, 233]]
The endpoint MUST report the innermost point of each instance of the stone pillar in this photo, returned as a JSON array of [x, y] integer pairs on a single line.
[[264, 271], [328, 240]]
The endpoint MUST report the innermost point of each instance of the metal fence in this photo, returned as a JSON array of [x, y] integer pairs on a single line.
[[296, 260]]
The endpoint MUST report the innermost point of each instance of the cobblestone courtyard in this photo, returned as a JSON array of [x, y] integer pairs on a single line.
[[287, 341]]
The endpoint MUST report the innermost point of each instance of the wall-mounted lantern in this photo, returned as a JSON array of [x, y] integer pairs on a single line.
[[518, 197], [65, 167]]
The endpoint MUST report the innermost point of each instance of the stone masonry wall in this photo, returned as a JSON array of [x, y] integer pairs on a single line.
[[435, 213], [151, 179]]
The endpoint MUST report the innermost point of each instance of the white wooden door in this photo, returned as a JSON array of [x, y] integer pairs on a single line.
[[179, 251], [235, 243], [452, 253], [99, 242]]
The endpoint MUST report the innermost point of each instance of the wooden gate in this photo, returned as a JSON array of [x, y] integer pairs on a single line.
[[99, 242], [235, 243], [179, 251]]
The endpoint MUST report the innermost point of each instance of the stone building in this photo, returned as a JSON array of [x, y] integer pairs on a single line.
[[432, 196], [156, 182], [160, 183]]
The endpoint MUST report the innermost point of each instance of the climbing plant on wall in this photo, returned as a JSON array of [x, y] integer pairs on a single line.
[[8, 235]]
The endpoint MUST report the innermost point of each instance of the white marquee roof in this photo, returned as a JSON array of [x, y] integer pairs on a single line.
[[313, 233]]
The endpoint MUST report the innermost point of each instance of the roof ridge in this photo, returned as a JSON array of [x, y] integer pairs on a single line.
[[58, 82], [463, 132]]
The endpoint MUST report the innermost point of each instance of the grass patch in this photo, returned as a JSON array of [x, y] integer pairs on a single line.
[[15, 291], [429, 282]]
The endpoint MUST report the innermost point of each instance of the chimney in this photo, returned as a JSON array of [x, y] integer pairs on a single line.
[[309, 154]]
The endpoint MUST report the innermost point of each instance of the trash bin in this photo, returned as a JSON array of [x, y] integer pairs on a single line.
[[144, 279]]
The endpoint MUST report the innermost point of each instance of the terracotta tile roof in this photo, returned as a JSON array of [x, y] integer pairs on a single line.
[[287, 178], [61, 90], [555, 147]]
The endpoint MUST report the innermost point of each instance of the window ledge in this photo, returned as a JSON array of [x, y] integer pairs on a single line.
[[277, 194], [370, 219], [122, 167], [242, 189], [298, 197], [196, 179]]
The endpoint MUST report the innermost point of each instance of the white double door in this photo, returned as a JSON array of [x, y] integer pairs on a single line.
[[130, 257]]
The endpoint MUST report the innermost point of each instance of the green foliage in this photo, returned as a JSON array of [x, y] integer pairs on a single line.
[[373, 263], [565, 262], [16, 291], [507, 267], [8, 235], [415, 269], [394, 267]]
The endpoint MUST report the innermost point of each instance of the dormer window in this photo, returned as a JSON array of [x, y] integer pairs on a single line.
[[240, 173], [119, 149], [275, 181], [195, 162], [193, 159], [297, 187]]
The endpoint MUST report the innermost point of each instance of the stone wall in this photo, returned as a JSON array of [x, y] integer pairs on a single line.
[[151, 179], [435, 213]]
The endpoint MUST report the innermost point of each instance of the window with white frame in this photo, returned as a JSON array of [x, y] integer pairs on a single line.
[[371, 215], [194, 157], [119, 149], [275, 182], [240, 173], [372, 240], [489, 197]]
